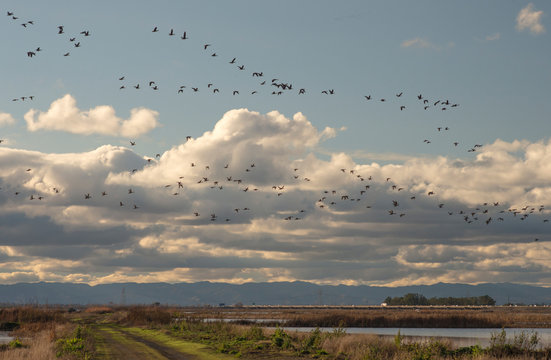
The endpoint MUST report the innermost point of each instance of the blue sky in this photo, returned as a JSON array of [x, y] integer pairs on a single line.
[[491, 59]]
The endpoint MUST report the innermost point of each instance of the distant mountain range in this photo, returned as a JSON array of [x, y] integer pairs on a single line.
[[277, 293]]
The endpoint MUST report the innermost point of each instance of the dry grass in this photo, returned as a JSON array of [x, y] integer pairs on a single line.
[[98, 310], [31, 314], [37, 344], [359, 347], [147, 315], [465, 317]]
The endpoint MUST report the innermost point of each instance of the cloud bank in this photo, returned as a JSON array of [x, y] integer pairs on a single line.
[[253, 200], [64, 115]]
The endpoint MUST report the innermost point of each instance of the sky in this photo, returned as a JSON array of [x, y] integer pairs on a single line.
[[359, 142]]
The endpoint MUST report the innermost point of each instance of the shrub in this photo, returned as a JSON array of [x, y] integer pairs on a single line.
[[15, 343], [281, 339]]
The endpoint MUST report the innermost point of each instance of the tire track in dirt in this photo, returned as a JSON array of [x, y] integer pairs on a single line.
[[117, 344]]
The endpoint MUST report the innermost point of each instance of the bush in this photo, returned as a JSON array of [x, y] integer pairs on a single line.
[[15, 344], [312, 343], [281, 339], [74, 346], [525, 341]]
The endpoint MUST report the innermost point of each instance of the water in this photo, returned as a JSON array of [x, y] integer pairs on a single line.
[[5, 337], [458, 337]]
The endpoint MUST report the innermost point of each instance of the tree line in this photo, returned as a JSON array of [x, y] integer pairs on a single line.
[[418, 299]]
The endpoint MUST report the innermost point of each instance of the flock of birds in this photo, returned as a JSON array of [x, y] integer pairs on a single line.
[[329, 199]]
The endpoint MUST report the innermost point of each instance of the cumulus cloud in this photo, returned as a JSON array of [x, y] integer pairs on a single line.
[[530, 19], [64, 115], [287, 211], [6, 119]]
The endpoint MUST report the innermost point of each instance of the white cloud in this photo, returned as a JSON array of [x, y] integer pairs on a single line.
[[417, 43], [64, 115], [345, 233], [530, 19], [423, 43], [493, 37], [6, 119]]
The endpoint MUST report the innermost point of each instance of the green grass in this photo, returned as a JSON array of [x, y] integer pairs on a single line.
[[119, 337], [201, 351]]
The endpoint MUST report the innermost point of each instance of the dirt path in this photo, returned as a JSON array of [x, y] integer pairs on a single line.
[[113, 344]]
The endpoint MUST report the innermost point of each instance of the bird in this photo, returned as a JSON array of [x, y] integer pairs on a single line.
[[155, 29], [206, 46], [233, 61], [132, 143], [171, 33], [60, 29]]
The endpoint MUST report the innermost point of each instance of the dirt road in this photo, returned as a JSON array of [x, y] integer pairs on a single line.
[[113, 343]]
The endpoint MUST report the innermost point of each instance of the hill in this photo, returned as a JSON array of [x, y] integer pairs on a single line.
[[277, 293]]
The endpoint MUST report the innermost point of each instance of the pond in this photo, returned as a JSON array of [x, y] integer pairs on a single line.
[[5, 337], [458, 337]]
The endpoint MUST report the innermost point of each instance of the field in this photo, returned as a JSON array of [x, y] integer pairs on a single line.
[[159, 332]]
